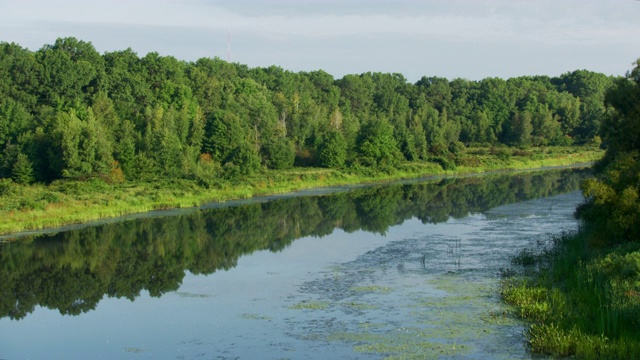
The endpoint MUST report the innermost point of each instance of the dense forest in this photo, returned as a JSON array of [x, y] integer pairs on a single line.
[[68, 112]]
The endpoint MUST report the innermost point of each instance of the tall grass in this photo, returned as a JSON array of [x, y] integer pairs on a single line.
[[582, 300]]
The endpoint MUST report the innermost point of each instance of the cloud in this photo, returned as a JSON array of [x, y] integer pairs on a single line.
[[542, 21], [409, 36]]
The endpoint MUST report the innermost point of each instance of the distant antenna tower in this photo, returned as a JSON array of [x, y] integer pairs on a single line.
[[228, 47]]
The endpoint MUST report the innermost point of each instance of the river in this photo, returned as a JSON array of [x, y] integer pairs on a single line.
[[403, 270]]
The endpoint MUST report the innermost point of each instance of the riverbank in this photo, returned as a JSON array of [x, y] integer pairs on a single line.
[[582, 298], [72, 202]]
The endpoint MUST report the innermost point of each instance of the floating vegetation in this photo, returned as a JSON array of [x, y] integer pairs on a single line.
[[310, 305], [401, 343], [358, 305], [133, 350], [255, 317], [371, 288]]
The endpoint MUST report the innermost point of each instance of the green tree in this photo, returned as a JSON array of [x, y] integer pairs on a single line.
[[520, 130], [377, 145], [22, 172], [278, 153], [332, 149], [223, 132], [613, 200], [124, 149], [590, 87], [243, 160], [84, 147], [72, 70]]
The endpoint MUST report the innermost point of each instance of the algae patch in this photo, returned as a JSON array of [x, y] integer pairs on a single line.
[[371, 288], [310, 305], [255, 317]]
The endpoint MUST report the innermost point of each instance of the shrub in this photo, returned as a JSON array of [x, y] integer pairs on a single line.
[[501, 153], [279, 153], [22, 172], [332, 150], [444, 162], [456, 147], [7, 187]]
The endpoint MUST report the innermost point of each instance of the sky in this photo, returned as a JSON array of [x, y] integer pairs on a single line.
[[470, 39]]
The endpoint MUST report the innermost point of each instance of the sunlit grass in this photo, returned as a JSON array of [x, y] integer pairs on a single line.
[[71, 202], [581, 300]]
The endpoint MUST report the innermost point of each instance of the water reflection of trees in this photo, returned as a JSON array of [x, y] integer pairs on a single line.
[[73, 271]]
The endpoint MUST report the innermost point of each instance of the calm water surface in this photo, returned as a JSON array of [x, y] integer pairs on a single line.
[[406, 270]]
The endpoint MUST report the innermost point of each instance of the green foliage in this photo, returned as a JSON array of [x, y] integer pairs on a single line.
[[376, 145], [74, 111], [613, 206], [243, 161], [83, 145], [444, 162], [582, 301], [7, 187], [22, 172], [207, 172], [278, 153], [332, 149], [520, 130], [223, 132], [456, 147]]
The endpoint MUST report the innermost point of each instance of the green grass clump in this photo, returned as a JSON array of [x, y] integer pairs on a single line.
[[582, 300]]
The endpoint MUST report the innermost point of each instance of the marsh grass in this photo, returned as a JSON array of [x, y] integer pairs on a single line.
[[582, 300], [71, 202]]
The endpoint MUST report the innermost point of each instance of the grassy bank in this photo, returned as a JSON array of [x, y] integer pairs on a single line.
[[581, 298], [70, 202]]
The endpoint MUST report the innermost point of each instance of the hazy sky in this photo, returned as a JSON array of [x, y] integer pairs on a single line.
[[471, 39]]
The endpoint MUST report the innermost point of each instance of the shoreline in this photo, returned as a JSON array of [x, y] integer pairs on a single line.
[[316, 191], [83, 210]]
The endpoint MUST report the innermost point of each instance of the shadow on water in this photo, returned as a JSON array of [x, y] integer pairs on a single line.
[[72, 271]]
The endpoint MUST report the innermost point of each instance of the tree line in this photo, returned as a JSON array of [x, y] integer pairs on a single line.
[[68, 112]]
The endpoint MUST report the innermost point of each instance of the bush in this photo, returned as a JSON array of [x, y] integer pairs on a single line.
[[523, 153], [243, 161], [207, 171], [279, 153], [50, 197], [439, 149], [332, 150], [7, 187], [501, 153], [22, 172], [444, 162], [456, 147]]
